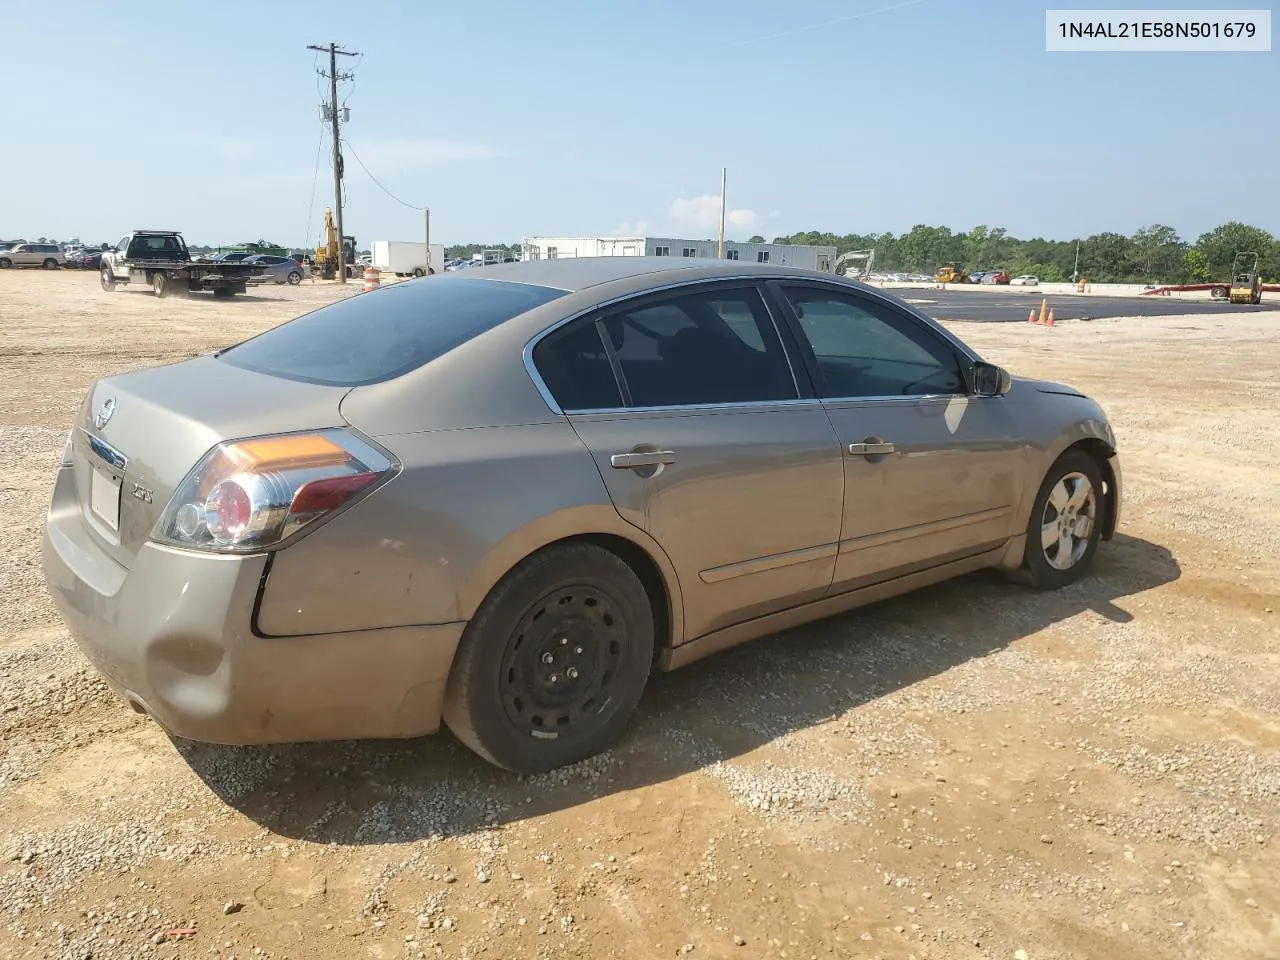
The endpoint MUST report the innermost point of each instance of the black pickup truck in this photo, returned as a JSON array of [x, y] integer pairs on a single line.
[[160, 259]]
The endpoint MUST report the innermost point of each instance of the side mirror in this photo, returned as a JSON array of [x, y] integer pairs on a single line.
[[990, 380]]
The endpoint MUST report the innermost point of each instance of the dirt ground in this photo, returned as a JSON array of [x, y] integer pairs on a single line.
[[974, 771]]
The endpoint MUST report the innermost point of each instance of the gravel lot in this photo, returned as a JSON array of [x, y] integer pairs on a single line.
[[975, 771]]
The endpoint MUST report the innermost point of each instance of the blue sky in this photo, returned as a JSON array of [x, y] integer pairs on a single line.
[[511, 118]]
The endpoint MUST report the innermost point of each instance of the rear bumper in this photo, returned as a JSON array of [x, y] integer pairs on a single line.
[[173, 636]]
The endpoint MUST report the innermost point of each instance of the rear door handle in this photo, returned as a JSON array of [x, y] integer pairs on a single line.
[[627, 461], [870, 449]]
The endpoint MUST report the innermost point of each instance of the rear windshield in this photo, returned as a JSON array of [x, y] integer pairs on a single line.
[[371, 337]]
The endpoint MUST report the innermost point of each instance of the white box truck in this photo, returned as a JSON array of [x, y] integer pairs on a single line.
[[405, 258]]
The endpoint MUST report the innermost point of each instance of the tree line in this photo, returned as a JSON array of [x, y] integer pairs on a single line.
[[1153, 254]]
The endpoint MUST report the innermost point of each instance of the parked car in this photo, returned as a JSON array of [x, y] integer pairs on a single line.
[[995, 276], [1026, 280], [327, 531], [47, 255], [277, 269]]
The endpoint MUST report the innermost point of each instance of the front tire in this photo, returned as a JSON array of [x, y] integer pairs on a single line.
[[108, 279], [1066, 522], [552, 666], [294, 278]]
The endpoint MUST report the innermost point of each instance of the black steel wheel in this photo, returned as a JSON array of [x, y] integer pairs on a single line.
[[551, 668]]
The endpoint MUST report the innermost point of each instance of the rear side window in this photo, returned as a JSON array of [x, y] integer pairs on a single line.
[[701, 348], [575, 367], [368, 338]]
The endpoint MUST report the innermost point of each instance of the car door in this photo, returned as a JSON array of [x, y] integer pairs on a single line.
[[27, 255], [120, 259], [693, 414], [932, 472]]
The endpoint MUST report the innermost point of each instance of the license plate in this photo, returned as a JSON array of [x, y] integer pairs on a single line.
[[104, 499]]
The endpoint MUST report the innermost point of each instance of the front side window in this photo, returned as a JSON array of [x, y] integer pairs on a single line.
[[701, 348], [867, 349]]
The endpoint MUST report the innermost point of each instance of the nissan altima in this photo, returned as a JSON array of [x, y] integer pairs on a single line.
[[499, 498]]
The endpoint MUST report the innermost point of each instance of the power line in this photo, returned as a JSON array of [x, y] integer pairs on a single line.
[[377, 181], [315, 178]]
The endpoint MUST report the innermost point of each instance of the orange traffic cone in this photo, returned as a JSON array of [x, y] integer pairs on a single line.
[[1031, 316], [1050, 321], [1044, 306]]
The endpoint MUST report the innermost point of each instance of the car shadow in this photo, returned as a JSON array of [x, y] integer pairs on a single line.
[[199, 296], [719, 708]]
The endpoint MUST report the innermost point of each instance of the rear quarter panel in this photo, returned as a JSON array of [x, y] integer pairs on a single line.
[[469, 505]]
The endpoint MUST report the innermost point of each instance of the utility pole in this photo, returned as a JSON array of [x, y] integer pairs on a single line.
[[720, 244], [426, 238], [332, 114], [1075, 271]]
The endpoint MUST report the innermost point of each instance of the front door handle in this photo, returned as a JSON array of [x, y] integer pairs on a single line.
[[654, 458], [870, 449]]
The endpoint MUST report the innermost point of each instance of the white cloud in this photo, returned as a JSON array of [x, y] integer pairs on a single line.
[[385, 155], [703, 213], [625, 229]]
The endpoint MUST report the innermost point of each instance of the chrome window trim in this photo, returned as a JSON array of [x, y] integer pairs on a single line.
[[759, 404], [835, 286], [742, 279]]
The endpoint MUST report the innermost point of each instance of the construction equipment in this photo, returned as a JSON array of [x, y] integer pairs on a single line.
[[952, 273], [328, 256], [846, 264], [1246, 284]]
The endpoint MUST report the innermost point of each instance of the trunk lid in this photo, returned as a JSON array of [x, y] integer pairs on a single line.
[[139, 434]]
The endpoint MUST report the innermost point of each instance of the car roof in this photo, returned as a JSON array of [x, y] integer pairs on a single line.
[[573, 274]]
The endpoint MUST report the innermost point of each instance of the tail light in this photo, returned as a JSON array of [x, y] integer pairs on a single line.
[[250, 495]]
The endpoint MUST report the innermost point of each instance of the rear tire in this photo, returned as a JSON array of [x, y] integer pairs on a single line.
[[551, 667], [50, 264], [417, 271], [160, 284], [223, 292], [1066, 522]]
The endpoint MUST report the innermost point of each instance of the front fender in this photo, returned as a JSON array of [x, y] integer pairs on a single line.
[[1056, 423]]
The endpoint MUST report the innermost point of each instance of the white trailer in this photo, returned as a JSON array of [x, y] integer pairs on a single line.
[[404, 258]]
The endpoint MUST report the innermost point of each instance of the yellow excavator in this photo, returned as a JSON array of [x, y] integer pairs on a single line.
[[328, 253], [952, 273]]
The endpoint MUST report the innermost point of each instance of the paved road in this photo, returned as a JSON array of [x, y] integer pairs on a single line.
[[1012, 305]]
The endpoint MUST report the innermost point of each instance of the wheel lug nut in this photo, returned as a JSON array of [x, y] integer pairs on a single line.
[[572, 673], [547, 658], [564, 641], [577, 650], [554, 678]]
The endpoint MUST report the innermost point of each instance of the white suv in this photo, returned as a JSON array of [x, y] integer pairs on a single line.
[[47, 255]]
